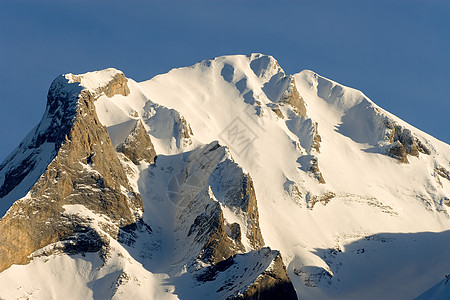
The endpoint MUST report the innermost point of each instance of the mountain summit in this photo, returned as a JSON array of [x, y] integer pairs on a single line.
[[228, 179]]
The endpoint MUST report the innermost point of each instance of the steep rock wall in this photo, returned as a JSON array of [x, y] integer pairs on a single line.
[[85, 171]]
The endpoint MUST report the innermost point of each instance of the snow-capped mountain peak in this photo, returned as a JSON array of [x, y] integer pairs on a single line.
[[226, 179]]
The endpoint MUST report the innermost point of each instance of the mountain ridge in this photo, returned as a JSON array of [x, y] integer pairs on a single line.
[[222, 159]]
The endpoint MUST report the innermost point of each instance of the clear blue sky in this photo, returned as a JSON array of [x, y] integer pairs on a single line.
[[396, 52]]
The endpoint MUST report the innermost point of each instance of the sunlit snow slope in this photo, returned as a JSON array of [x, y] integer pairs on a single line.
[[355, 199], [367, 194]]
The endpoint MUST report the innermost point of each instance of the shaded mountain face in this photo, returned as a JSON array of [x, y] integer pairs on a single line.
[[228, 179]]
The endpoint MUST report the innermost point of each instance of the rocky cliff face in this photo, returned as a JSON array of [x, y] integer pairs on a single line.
[[138, 146], [214, 182], [83, 200], [262, 182], [236, 191], [273, 283], [292, 97], [402, 142], [50, 133], [85, 171], [267, 271]]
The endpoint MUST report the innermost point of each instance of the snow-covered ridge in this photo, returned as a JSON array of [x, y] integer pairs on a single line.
[[109, 81], [249, 156], [93, 80], [366, 190]]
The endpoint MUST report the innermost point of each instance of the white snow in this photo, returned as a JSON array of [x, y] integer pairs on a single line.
[[93, 81], [382, 235], [216, 102]]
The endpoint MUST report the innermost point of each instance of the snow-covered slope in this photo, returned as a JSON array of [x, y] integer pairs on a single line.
[[439, 291], [354, 199]]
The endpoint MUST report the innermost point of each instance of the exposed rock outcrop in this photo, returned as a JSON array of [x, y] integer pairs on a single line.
[[117, 86], [85, 172], [116, 83], [293, 191], [138, 146], [273, 283], [207, 192], [292, 97], [403, 142], [210, 183], [443, 172], [303, 127], [324, 199], [317, 138], [254, 275], [249, 206], [56, 123], [236, 191], [278, 112], [398, 151], [209, 229], [314, 169]]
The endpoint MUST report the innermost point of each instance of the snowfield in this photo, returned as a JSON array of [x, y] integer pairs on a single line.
[[350, 220]]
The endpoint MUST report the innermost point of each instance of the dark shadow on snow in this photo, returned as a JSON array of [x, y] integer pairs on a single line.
[[381, 266]]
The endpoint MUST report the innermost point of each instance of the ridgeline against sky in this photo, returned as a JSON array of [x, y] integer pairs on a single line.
[[396, 52]]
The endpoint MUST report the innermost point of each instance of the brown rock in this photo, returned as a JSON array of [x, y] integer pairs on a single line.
[[278, 112], [209, 229], [314, 169], [219, 239], [422, 148], [397, 151], [85, 171], [244, 198], [443, 172], [251, 208], [324, 199], [271, 284], [409, 144], [138, 146], [294, 99], [186, 131], [117, 86], [316, 139]]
